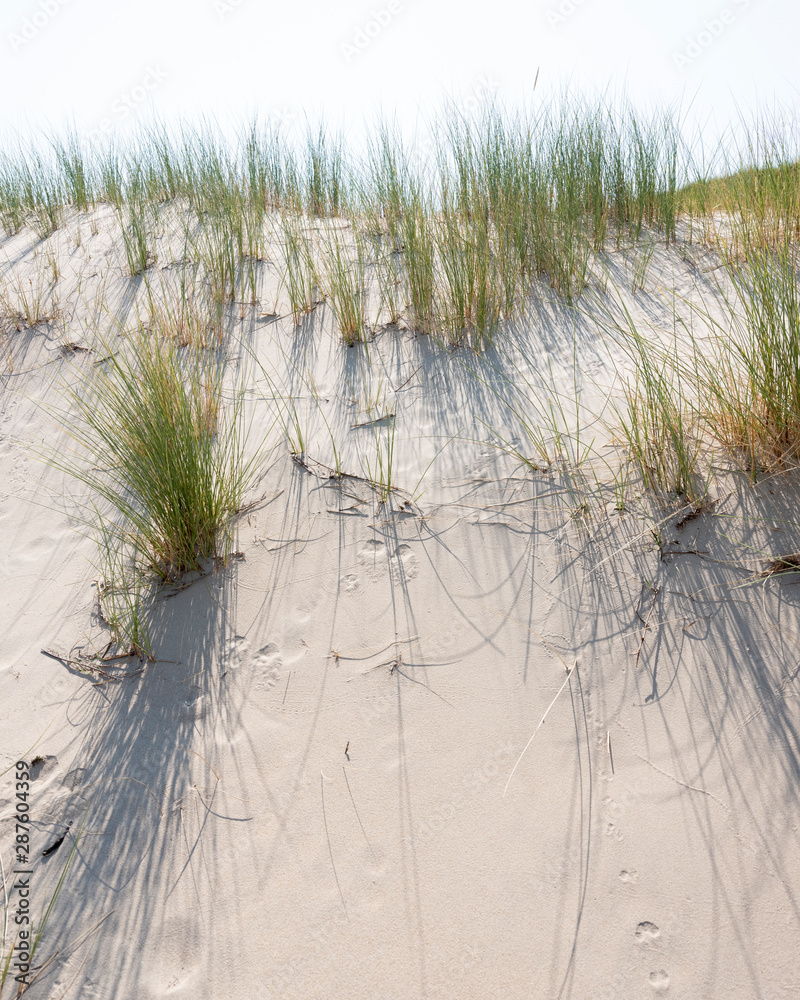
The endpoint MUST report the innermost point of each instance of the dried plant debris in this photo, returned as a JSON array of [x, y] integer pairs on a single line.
[[783, 564]]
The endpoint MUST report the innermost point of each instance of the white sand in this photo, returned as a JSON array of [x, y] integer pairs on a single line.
[[649, 841]]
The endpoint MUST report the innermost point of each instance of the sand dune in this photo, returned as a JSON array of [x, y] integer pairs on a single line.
[[318, 787]]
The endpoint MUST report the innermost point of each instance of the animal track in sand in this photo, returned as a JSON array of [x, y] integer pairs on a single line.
[[659, 980], [237, 648], [350, 583], [405, 565], [41, 767], [267, 667], [194, 708], [76, 777], [646, 933], [629, 877], [613, 811], [376, 558]]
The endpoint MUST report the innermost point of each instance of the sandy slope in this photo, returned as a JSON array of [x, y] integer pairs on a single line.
[[305, 795]]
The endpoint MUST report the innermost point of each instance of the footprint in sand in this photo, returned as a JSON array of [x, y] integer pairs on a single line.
[[646, 933], [237, 648], [350, 583], [659, 981], [267, 667], [613, 811], [404, 565], [376, 558], [41, 767], [194, 708], [76, 777]]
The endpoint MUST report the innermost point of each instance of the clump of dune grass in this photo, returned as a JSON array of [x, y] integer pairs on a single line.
[[502, 201], [659, 420], [184, 310], [325, 174], [419, 265], [388, 273], [659, 425], [737, 390], [549, 418], [750, 380], [125, 594], [505, 200], [137, 219], [299, 268], [379, 465], [28, 302], [345, 283], [752, 195], [506, 203], [470, 300], [178, 456], [168, 467]]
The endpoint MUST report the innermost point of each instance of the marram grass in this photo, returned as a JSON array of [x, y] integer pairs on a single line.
[[750, 379], [168, 457], [455, 239], [497, 201]]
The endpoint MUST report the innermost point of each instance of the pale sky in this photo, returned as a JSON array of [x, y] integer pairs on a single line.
[[104, 63]]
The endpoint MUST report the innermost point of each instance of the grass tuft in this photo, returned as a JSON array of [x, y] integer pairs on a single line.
[[170, 469], [750, 381]]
